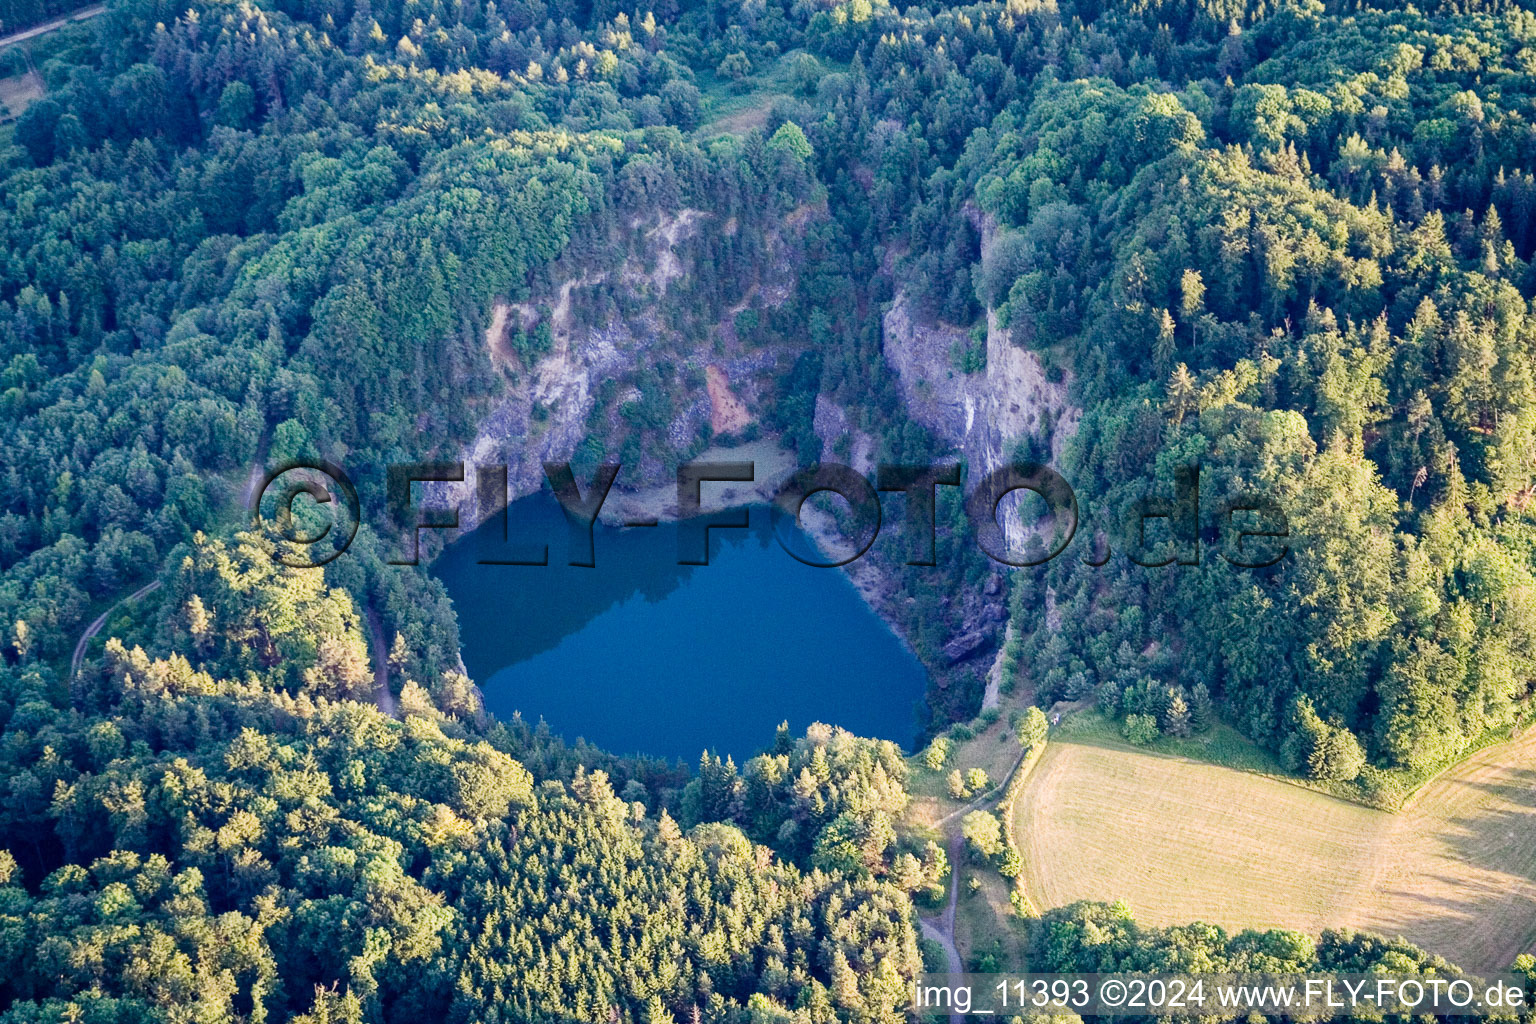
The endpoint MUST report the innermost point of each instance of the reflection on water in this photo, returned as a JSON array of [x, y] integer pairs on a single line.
[[640, 654]]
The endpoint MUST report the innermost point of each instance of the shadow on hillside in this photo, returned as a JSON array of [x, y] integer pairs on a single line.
[[1478, 908]]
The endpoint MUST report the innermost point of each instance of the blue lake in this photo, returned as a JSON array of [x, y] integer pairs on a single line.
[[641, 655]]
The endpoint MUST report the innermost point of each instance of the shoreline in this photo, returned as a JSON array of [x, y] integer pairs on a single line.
[[772, 466]]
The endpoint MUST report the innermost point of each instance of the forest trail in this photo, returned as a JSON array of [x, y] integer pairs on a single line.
[[252, 482], [101, 620], [253, 479], [381, 695], [942, 930], [49, 26], [979, 802]]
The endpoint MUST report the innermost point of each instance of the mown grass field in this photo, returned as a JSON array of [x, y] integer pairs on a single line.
[[1180, 840]]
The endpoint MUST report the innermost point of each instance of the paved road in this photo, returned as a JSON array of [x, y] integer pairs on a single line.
[[101, 620], [49, 26]]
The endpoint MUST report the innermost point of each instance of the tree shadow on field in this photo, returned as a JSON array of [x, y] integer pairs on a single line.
[[1477, 906], [1500, 838], [1481, 928], [1222, 748]]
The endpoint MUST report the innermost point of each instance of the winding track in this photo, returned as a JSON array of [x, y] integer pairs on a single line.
[[101, 620], [49, 26], [941, 929]]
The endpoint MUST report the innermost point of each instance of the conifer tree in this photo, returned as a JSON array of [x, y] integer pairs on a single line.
[[1201, 712], [1176, 716], [1181, 393]]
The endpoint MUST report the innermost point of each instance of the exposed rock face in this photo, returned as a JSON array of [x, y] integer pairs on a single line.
[[727, 414], [965, 645], [837, 435], [994, 693], [545, 409], [664, 238], [984, 413], [561, 387]]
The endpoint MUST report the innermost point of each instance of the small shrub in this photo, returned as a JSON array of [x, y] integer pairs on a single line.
[[1140, 729], [735, 66]]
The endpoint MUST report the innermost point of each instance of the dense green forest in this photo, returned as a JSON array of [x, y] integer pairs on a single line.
[[1289, 241], [232, 839], [1313, 284]]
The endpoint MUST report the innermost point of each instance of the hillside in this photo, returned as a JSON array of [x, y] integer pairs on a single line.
[[1287, 242]]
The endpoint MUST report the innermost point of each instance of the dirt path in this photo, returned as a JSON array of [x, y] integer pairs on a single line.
[[986, 798], [381, 695], [258, 471], [994, 693], [252, 481], [49, 26], [942, 929], [101, 620]]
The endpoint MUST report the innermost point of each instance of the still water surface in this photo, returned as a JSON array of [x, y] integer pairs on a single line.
[[641, 655]]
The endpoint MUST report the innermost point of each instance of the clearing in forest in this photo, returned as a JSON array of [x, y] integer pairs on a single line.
[[17, 93], [1181, 840], [735, 108]]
